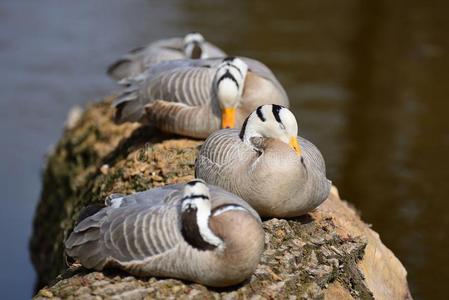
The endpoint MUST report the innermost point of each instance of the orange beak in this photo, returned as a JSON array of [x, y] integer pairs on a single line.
[[228, 118], [295, 145]]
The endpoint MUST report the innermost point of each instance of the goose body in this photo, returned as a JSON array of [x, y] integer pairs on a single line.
[[277, 177], [191, 232], [196, 97], [193, 45]]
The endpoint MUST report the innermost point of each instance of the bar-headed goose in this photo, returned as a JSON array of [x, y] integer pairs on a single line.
[[277, 172], [193, 45], [189, 231], [197, 97]]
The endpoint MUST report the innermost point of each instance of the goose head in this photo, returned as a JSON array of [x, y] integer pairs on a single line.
[[193, 45], [229, 82], [228, 236], [271, 121], [195, 214], [204, 227]]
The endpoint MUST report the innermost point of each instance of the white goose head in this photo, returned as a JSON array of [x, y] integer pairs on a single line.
[[229, 82], [195, 214], [271, 121], [193, 45]]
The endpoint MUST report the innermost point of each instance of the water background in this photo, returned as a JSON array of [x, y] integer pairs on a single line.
[[368, 81]]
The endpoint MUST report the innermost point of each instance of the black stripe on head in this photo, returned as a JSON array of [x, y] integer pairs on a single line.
[[228, 75], [236, 68], [260, 114], [191, 232], [276, 109], [194, 182], [242, 131], [229, 58]]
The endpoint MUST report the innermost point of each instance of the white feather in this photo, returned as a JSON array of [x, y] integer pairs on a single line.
[[228, 92], [199, 193], [193, 37], [229, 208]]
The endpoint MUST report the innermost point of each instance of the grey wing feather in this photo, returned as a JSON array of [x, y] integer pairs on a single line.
[[127, 65], [170, 43], [125, 234], [136, 60], [312, 153], [163, 195], [168, 81], [120, 68], [222, 148], [90, 222], [179, 63], [89, 236], [129, 107], [177, 86], [220, 153]]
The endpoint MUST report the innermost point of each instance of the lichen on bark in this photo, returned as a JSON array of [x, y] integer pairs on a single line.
[[313, 256]]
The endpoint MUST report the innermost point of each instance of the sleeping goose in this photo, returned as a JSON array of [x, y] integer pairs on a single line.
[[277, 172], [196, 97], [193, 45], [186, 231]]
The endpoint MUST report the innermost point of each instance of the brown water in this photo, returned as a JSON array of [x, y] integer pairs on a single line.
[[368, 81]]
